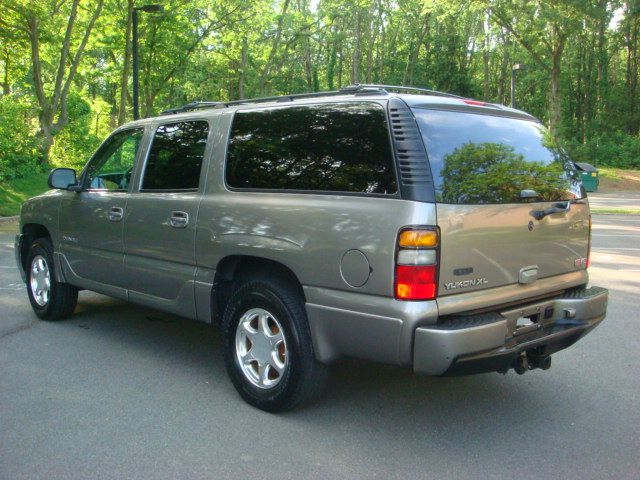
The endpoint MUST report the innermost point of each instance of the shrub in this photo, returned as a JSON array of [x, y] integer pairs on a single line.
[[18, 144], [616, 149]]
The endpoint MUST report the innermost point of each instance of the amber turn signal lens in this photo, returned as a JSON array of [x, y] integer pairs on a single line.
[[418, 238]]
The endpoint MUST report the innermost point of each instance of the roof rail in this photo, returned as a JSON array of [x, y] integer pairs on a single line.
[[399, 88], [356, 89], [280, 98], [190, 106]]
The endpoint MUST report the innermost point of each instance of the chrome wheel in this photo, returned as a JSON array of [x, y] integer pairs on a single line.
[[40, 280], [261, 349]]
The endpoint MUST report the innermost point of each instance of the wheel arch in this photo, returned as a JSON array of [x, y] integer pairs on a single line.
[[235, 269], [31, 232]]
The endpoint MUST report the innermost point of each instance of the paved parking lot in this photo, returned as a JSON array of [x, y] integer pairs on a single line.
[[120, 391]]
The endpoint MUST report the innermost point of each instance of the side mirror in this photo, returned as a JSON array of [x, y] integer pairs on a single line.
[[62, 178]]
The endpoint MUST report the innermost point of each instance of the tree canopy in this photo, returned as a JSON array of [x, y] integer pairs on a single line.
[[65, 65]]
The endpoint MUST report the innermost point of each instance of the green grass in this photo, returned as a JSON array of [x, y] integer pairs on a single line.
[[616, 211], [14, 192]]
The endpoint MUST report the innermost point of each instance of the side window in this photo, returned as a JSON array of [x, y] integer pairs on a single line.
[[175, 158], [113, 163], [328, 147]]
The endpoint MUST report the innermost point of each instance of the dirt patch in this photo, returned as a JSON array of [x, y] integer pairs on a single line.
[[615, 179]]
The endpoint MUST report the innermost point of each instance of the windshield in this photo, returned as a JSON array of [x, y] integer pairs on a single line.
[[478, 158]]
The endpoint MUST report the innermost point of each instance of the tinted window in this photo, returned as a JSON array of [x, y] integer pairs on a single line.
[[176, 156], [112, 164], [330, 147], [488, 159]]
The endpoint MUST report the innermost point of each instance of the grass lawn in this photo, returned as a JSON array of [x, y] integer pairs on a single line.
[[617, 179], [14, 192]]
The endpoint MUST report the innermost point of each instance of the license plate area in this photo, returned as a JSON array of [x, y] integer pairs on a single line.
[[527, 324]]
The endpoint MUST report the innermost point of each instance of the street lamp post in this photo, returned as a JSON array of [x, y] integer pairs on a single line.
[[136, 82], [517, 66]]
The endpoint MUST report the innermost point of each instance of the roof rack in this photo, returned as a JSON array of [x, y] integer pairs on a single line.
[[399, 88], [191, 106], [356, 89]]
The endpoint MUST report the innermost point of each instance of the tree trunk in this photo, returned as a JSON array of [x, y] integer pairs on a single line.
[[307, 59], [331, 67], [243, 66], [555, 99], [383, 39], [274, 48], [602, 58], [6, 87], [124, 82], [355, 67], [502, 81], [485, 59]]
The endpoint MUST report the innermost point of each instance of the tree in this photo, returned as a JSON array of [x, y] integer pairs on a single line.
[[542, 28], [52, 81]]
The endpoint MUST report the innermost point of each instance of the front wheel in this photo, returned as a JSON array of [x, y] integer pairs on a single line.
[[50, 299], [268, 350]]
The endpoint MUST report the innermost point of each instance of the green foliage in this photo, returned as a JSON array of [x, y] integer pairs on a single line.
[[88, 126], [18, 149], [617, 149]]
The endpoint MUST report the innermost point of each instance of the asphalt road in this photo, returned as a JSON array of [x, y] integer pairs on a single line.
[[120, 391]]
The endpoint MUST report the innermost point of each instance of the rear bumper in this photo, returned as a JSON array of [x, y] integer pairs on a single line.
[[17, 251], [492, 342]]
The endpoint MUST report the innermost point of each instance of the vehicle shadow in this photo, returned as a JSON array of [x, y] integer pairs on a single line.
[[381, 400]]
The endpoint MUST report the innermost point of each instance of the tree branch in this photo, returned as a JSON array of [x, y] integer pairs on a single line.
[[62, 120], [32, 28], [66, 45], [504, 23]]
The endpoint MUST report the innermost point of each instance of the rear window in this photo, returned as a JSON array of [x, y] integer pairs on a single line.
[[479, 159], [329, 147]]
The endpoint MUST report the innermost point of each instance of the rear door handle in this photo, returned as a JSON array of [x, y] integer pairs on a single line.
[[179, 219], [115, 214]]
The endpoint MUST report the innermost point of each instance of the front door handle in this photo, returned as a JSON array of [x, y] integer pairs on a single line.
[[560, 207], [115, 214], [179, 219]]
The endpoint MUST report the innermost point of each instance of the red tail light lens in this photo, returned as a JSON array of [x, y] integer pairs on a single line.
[[474, 102], [416, 282]]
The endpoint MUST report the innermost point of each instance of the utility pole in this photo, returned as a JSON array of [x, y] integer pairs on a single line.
[[517, 66]]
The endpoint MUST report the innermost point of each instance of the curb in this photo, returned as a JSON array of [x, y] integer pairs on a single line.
[[9, 219]]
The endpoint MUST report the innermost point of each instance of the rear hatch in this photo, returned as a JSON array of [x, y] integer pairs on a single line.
[[510, 205]]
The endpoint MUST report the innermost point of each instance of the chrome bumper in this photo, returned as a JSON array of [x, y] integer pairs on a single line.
[[492, 341]]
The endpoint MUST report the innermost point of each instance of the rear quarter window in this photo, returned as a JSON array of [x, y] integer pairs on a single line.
[[326, 148], [477, 158]]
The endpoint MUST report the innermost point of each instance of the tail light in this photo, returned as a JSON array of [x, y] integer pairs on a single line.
[[589, 245], [417, 264]]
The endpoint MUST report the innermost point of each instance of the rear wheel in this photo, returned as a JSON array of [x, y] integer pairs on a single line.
[[50, 299], [267, 348]]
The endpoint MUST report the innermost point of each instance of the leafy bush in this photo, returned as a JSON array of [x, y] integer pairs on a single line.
[[74, 145], [18, 144], [616, 149]]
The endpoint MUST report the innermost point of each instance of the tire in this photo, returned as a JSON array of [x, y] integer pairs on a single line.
[[60, 300], [302, 377]]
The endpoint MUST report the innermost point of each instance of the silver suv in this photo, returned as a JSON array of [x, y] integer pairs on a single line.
[[422, 230]]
